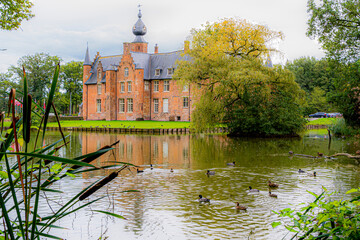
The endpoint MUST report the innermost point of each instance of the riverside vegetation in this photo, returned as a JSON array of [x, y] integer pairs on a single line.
[[26, 174]]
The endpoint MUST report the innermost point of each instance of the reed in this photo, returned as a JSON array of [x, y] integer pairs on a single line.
[[30, 175]]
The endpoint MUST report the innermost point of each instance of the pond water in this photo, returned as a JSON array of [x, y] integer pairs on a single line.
[[166, 206]]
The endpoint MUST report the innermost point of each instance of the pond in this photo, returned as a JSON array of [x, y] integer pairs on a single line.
[[166, 205]]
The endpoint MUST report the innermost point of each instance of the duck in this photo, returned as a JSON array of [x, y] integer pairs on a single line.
[[231, 164], [171, 170], [273, 185], [253, 190], [203, 199], [210, 172], [272, 194], [240, 207], [320, 154], [151, 167], [291, 152], [312, 174], [301, 171], [139, 171]]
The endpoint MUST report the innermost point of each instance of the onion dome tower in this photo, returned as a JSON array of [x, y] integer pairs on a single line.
[[139, 30]]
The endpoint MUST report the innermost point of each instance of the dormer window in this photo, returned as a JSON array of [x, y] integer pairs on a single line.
[[170, 71], [157, 72], [126, 72]]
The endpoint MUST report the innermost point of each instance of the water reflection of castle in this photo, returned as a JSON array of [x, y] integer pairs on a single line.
[[165, 151]]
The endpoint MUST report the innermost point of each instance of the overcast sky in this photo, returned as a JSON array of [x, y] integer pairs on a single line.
[[63, 27]]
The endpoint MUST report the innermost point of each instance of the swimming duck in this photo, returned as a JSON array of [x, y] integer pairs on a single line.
[[210, 172], [312, 174], [272, 194], [320, 154], [301, 171], [273, 185], [171, 170], [151, 167], [240, 207], [231, 164], [253, 190], [139, 171], [203, 199]]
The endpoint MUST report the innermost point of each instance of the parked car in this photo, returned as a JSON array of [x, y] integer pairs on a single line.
[[318, 115], [335, 115]]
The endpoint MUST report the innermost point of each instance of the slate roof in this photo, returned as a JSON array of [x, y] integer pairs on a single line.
[[148, 62]]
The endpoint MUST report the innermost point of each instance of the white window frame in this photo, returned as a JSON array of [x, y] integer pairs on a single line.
[[165, 105], [157, 72], [146, 85], [98, 105], [129, 86], [170, 71], [121, 105], [126, 72], [166, 85], [130, 105], [156, 86], [185, 102], [156, 105], [122, 87]]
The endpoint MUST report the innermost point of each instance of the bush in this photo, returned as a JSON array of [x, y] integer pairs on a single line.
[[325, 218], [340, 128]]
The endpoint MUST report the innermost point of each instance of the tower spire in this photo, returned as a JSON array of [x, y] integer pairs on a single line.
[[139, 29], [87, 56]]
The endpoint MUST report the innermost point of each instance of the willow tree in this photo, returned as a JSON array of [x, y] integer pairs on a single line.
[[235, 85]]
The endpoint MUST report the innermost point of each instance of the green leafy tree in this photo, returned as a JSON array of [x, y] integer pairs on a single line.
[[13, 12], [71, 79], [316, 102], [39, 68], [236, 87], [336, 25]]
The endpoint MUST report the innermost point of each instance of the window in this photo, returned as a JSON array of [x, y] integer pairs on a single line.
[[126, 72], [165, 105], [121, 105], [146, 86], [130, 105], [166, 85], [156, 105], [99, 88], [157, 72], [122, 87], [185, 88], [129, 86], [185, 102], [98, 105], [170, 71], [99, 74], [156, 86]]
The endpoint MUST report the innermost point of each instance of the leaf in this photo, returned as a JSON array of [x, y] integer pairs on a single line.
[[109, 213], [352, 191], [275, 224], [51, 158]]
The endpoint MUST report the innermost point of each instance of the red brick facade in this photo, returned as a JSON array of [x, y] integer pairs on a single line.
[[134, 85]]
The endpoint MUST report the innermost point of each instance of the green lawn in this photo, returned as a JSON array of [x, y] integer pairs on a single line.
[[323, 121], [122, 124]]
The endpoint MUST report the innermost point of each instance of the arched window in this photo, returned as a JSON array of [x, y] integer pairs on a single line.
[[126, 73], [99, 74]]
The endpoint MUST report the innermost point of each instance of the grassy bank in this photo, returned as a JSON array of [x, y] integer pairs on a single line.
[[122, 124], [323, 121]]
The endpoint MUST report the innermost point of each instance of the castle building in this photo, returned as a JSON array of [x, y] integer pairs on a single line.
[[135, 85]]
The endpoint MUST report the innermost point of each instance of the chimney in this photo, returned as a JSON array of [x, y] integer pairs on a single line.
[[186, 46], [126, 47], [156, 49]]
